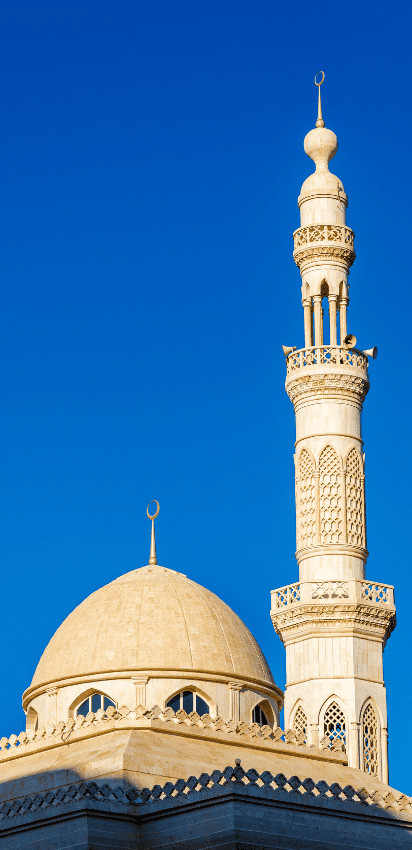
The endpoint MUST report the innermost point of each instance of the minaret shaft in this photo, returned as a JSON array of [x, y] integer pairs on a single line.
[[333, 623]]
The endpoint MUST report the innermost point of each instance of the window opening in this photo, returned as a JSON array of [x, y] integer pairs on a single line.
[[189, 701], [94, 703], [370, 741], [300, 723], [334, 723], [259, 716]]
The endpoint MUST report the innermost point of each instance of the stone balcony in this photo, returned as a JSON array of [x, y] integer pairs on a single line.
[[371, 593], [328, 356], [326, 239]]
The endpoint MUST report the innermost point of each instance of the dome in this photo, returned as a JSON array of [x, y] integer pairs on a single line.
[[156, 619]]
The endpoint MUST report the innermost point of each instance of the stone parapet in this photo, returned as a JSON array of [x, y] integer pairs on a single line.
[[166, 720], [276, 788]]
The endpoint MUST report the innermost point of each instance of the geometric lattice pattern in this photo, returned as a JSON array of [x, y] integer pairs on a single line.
[[354, 506], [330, 508], [334, 723], [306, 501], [370, 741], [300, 723]]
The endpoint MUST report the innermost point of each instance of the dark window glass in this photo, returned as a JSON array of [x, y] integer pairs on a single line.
[[96, 702], [259, 716], [84, 708], [174, 703], [201, 706], [187, 701], [108, 702]]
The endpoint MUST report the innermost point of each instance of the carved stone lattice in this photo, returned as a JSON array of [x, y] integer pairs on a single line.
[[300, 723], [370, 741], [330, 509], [334, 723], [306, 524], [354, 498]]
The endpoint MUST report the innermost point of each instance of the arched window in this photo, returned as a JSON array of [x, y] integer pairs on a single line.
[[306, 522], [32, 720], [300, 722], [93, 703], [259, 716], [189, 701], [370, 734], [330, 508], [334, 723], [354, 498]]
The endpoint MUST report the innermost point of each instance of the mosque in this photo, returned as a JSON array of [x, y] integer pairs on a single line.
[[152, 720]]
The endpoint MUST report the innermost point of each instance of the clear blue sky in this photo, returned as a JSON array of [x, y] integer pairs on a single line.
[[151, 155]]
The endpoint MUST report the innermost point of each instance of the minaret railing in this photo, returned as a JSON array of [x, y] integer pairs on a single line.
[[325, 355]]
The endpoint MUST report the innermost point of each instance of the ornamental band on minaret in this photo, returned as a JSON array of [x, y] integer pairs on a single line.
[[333, 622]]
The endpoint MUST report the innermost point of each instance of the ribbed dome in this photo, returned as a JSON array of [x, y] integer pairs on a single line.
[[152, 619]]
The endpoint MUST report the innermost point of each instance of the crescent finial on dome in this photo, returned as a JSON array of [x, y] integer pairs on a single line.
[[153, 558]]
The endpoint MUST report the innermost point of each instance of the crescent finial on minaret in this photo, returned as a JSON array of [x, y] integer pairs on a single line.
[[153, 558], [320, 122]]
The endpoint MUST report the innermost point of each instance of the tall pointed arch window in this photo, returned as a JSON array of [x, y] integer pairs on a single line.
[[300, 723], [330, 497], [354, 499], [306, 522], [334, 723], [370, 735]]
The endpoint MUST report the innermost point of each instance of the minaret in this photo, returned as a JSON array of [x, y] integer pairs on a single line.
[[333, 623]]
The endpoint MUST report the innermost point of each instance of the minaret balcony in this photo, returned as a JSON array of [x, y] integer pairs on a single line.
[[325, 239], [327, 356], [353, 590]]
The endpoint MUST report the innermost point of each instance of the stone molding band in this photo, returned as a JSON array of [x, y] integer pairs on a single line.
[[264, 687], [323, 252]]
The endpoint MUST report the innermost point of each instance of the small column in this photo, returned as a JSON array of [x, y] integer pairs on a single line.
[[385, 769], [234, 691], [313, 736], [332, 316], [317, 304], [52, 693], [307, 312], [140, 685], [353, 748], [343, 322]]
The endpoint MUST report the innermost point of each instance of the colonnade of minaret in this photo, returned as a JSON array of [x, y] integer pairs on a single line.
[[334, 623]]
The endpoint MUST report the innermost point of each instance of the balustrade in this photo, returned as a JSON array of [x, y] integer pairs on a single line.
[[325, 355], [323, 233]]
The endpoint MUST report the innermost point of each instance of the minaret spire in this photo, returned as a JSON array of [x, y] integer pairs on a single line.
[[320, 122], [153, 558]]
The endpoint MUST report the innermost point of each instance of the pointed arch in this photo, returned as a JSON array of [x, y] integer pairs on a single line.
[[354, 498], [371, 738], [330, 496], [300, 720], [333, 721], [306, 520]]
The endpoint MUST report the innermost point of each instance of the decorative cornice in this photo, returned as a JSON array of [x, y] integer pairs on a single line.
[[264, 687], [301, 386], [324, 252], [366, 803], [311, 619]]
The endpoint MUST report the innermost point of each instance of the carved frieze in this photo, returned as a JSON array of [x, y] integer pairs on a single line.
[[326, 384]]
